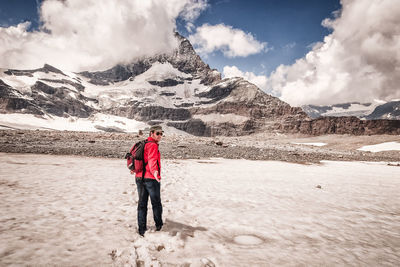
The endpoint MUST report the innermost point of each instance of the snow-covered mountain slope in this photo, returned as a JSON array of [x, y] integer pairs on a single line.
[[96, 122], [176, 90], [54, 99], [161, 85]]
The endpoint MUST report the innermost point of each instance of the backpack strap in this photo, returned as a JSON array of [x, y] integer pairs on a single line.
[[144, 163]]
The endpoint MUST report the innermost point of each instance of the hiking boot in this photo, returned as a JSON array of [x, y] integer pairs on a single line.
[[158, 227], [142, 231]]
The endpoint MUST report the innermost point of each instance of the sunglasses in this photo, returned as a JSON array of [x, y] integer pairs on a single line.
[[159, 133]]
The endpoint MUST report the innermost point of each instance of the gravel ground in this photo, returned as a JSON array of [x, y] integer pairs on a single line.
[[256, 147]]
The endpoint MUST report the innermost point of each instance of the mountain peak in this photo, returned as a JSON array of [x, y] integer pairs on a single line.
[[48, 68], [183, 58]]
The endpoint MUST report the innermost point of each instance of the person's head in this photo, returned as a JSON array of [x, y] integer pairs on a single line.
[[156, 132]]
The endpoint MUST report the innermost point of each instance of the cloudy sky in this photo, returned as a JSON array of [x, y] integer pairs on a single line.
[[305, 52]]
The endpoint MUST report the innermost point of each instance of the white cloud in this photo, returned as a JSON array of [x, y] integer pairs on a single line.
[[189, 26], [358, 61], [192, 9], [289, 46], [232, 42], [93, 35], [233, 71]]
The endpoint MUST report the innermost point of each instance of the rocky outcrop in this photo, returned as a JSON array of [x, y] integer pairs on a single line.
[[11, 101], [58, 101], [194, 126], [166, 83], [343, 125], [118, 73], [218, 91], [148, 113]]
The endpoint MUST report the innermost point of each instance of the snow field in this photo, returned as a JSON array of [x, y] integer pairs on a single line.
[[70, 210]]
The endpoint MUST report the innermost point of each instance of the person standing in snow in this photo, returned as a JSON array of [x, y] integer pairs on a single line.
[[150, 185]]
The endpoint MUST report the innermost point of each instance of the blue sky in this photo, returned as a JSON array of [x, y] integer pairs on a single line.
[[289, 27], [13, 12]]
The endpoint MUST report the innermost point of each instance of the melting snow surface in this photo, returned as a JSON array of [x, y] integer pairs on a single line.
[[381, 147], [74, 210], [247, 240], [310, 144]]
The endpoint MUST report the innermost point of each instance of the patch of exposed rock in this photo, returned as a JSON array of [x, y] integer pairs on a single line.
[[12, 101]]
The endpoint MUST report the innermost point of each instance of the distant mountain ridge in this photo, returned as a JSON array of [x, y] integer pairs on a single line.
[[177, 90], [390, 111], [370, 111]]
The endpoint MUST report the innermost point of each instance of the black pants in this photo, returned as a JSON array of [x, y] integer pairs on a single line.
[[145, 188]]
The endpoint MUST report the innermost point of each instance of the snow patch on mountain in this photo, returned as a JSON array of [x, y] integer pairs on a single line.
[[221, 118], [161, 71], [95, 123], [20, 83]]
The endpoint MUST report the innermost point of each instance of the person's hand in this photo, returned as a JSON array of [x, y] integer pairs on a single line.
[[156, 176], [132, 172]]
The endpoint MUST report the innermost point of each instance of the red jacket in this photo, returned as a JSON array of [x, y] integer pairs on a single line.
[[152, 159]]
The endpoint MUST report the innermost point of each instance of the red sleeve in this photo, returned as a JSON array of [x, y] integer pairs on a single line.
[[152, 157]]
